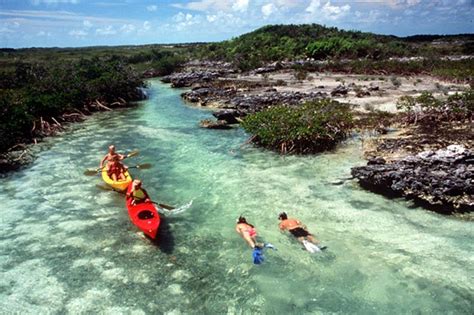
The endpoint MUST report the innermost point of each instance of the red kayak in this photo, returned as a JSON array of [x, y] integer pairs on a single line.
[[144, 215]]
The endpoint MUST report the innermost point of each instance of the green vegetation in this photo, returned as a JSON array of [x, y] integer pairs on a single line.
[[429, 112], [289, 42], [39, 85], [34, 95], [312, 127], [280, 42]]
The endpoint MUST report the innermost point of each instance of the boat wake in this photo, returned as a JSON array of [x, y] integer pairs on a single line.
[[177, 210]]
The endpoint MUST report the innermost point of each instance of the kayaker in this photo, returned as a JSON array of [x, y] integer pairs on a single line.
[[116, 170], [110, 156], [296, 228], [247, 231], [137, 193]]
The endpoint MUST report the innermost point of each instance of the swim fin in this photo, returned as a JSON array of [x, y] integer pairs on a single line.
[[310, 247], [257, 256], [269, 245]]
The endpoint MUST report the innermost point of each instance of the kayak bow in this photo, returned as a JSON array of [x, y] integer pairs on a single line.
[[144, 215]]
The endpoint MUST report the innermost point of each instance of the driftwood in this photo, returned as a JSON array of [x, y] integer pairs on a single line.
[[77, 111], [21, 155], [57, 122], [22, 145], [100, 105]]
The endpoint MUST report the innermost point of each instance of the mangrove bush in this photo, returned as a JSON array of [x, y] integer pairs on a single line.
[[309, 128]]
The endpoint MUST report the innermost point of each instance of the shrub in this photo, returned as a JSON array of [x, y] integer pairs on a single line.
[[428, 112], [309, 128], [57, 87], [396, 82]]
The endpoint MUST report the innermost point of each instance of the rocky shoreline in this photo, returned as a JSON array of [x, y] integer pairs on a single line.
[[422, 169], [442, 180]]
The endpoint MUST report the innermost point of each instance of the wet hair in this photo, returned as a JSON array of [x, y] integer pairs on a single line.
[[111, 147], [242, 219], [282, 216]]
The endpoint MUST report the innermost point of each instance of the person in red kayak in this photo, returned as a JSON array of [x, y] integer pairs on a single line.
[[137, 193], [247, 231], [110, 156], [296, 228], [116, 170]]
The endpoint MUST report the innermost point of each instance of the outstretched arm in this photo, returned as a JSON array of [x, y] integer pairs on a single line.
[[147, 197], [281, 226], [102, 161]]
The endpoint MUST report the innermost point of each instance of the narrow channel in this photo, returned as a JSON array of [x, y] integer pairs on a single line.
[[66, 246]]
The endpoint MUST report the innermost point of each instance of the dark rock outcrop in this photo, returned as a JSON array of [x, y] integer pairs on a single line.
[[210, 124], [442, 181], [340, 90], [13, 160], [230, 116], [230, 98], [186, 79]]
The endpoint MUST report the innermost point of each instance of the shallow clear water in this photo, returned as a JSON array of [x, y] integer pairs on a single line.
[[67, 247]]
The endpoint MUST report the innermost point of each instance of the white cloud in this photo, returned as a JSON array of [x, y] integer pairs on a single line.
[[240, 5], [313, 6], [58, 15], [152, 8], [45, 34], [87, 24], [146, 26], [78, 33], [127, 28], [38, 2], [181, 17], [211, 18], [402, 3], [213, 5], [224, 20], [327, 11], [268, 9], [108, 30]]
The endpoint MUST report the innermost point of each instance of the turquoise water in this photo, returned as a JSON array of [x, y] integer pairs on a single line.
[[67, 247]]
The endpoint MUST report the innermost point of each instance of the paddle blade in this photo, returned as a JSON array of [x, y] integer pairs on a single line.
[[144, 166], [133, 153], [166, 206], [91, 172]]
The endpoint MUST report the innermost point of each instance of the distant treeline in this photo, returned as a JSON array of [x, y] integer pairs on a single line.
[[289, 42]]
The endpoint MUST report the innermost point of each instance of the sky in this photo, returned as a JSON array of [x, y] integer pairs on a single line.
[[77, 23]]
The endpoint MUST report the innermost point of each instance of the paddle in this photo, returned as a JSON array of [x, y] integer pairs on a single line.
[[131, 154], [143, 166], [93, 172], [108, 188]]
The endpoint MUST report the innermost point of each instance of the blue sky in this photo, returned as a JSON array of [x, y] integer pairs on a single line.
[[71, 23]]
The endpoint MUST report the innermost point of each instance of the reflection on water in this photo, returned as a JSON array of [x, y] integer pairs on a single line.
[[66, 246]]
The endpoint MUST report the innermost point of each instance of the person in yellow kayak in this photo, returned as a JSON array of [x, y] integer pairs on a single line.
[[137, 193], [110, 156], [116, 170]]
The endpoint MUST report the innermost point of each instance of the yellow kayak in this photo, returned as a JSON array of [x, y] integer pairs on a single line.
[[120, 185]]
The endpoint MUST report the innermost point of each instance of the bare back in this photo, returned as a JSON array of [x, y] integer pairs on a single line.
[[289, 224]]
